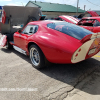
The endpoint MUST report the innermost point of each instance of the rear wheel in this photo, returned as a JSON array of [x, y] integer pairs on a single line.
[[37, 57]]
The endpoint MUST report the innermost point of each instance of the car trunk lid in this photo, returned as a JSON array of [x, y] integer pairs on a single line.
[[90, 46]]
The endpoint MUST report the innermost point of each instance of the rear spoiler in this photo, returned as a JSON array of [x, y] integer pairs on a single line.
[[90, 36]]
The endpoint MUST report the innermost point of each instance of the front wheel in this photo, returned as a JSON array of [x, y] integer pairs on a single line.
[[37, 57]]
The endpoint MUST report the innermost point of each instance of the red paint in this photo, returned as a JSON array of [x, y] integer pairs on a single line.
[[79, 50], [93, 13], [3, 17], [76, 55]]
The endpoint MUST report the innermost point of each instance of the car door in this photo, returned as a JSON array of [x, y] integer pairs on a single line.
[[90, 28], [25, 34]]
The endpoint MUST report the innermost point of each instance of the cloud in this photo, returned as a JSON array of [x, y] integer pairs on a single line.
[[69, 2], [11, 4], [5, 0], [15, 4]]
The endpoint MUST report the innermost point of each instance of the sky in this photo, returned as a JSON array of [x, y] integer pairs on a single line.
[[94, 5]]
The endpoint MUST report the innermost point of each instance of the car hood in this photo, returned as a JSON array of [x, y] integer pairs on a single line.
[[70, 19]]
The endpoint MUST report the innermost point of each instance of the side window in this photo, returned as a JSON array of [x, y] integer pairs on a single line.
[[96, 23], [30, 29], [26, 30]]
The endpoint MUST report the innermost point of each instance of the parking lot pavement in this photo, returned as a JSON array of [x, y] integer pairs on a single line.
[[55, 82], [87, 89]]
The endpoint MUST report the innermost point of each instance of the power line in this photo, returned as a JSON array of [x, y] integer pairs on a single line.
[[93, 3]]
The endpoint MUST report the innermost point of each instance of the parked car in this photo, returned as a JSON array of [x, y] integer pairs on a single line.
[[90, 23], [54, 41], [75, 19], [88, 14]]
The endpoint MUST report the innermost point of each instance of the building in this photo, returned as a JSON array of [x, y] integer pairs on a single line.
[[54, 9]]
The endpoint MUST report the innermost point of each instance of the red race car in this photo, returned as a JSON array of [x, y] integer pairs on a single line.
[[90, 23], [56, 41]]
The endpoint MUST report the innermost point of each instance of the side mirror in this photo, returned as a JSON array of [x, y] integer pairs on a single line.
[[19, 31]]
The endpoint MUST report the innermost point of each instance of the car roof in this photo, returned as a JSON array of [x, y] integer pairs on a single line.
[[98, 18]]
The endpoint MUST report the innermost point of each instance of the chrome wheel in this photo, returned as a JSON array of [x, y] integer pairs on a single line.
[[34, 56]]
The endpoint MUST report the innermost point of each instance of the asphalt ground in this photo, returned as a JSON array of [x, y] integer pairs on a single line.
[[55, 82]]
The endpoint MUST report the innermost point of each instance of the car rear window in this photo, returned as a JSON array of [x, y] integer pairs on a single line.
[[69, 29]]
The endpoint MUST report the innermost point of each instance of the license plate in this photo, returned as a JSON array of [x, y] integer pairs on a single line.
[[91, 51]]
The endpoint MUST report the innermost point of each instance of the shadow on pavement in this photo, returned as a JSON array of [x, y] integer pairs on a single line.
[[70, 74]]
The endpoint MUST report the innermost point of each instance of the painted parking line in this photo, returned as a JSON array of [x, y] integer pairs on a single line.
[[96, 56]]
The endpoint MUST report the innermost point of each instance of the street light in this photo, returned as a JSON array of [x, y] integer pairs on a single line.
[[84, 7]]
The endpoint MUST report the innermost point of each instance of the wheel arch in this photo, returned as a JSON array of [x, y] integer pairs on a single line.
[[33, 43]]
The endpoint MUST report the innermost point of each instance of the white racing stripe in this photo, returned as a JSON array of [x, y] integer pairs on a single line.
[[71, 19]]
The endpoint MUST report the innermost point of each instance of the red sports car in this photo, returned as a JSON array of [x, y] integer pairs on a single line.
[[90, 23], [87, 14], [56, 41]]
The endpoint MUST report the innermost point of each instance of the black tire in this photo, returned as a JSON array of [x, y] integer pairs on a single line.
[[37, 57], [8, 45]]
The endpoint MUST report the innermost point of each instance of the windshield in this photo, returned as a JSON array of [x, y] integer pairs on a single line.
[[69, 29], [87, 15]]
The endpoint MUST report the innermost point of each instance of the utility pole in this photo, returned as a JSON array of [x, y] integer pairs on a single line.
[[77, 7], [84, 7]]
